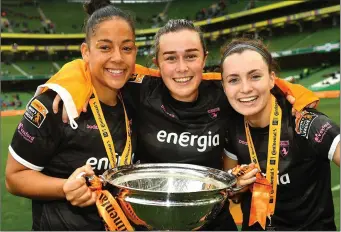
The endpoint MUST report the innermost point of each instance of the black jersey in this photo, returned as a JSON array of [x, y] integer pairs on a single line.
[[42, 142], [304, 198], [181, 132], [171, 131]]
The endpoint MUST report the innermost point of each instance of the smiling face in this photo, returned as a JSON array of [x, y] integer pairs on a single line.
[[110, 54], [247, 83], [181, 61]]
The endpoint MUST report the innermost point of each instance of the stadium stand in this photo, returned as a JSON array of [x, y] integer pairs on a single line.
[[25, 63], [146, 14], [22, 19], [14, 100]]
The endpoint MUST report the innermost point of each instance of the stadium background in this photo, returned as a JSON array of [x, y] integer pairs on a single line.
[[38, 37]]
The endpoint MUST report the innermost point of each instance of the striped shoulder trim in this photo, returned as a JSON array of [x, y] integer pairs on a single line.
[[24, 162], [333, 147]]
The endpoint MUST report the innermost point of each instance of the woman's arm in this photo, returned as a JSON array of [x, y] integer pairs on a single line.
[[25, 182], [229, 163], [73, 85], [36, 142], [29, 183]]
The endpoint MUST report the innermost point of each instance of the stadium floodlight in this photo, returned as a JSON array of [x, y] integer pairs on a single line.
[[127, 1]]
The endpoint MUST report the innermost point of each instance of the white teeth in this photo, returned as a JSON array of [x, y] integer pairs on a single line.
[[115, 71], [247, 99], [182, 80]]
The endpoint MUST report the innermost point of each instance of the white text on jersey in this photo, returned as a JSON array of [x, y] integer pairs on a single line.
[[283, 179], [187, 139], [103, 163]]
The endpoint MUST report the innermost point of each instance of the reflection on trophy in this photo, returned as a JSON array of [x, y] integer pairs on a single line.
[[130, 213], [168, 196]]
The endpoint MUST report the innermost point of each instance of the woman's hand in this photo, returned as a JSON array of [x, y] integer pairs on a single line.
[[244, 180], [76, 190], [249, 177], [65, 117], [292, 100]]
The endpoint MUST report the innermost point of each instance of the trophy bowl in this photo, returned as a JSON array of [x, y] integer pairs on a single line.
[[167, 196]]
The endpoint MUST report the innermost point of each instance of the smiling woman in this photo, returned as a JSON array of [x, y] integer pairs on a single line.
[[293, 153], [43, 162], [110, 54], [181, 62], [180, 53]]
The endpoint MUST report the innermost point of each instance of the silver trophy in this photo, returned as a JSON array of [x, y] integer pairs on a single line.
[[169, 196]]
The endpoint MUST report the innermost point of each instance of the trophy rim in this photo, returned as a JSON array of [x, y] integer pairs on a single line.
[[215, 174]]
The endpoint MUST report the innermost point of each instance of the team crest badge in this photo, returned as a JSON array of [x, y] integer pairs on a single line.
[[213, 113], [36, 113], [284, 148]]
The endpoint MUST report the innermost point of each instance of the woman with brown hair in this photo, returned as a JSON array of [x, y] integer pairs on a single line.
[[294, 153]]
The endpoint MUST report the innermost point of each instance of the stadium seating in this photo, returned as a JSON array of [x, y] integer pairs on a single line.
[[72, 18], [322, 36], [72, 12], [7, 100], [23, 18]]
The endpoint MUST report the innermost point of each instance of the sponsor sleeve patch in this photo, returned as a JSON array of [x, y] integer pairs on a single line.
[[303, 123], [36, 113]]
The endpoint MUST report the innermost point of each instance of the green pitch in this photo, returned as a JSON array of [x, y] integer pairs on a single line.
[[16, 211]]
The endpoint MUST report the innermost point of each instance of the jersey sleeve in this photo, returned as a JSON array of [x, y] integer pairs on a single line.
[[38, 134], [141, 76], [321, 132]]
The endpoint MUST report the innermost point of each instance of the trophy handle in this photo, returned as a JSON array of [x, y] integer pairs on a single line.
[[94, 182], [236, 173]]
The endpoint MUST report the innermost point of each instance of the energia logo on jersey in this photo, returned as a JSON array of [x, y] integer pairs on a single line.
[[100, 164], [103, 163], [186, 139], [283, 179]]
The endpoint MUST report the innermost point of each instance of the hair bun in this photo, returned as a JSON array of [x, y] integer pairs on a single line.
[[91, 6]]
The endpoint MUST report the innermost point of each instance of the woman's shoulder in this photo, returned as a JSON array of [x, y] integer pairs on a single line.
[[39, 111], [144, 80], [311, 120], [150, 84]]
